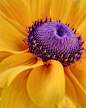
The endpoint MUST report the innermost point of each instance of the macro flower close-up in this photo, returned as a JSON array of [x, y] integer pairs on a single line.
[[42, 54]]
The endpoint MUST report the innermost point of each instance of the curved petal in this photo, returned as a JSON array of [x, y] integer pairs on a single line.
[[69, 103], [12, 66], [79, 71], [46, 84], [4, 54], [15, 60], [10, 38], [16, 96], [66, 103], [61, 104], [17, 11], [15, 24], [81, 95], [70, 91], [77, 15], [71, 11]]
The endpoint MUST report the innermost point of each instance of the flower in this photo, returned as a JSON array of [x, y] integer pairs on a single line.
[[25, 80]]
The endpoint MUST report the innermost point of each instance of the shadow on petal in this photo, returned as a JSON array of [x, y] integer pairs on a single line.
[[46, 84]]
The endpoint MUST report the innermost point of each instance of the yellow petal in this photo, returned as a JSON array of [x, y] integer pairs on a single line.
[[66, 103], [77, 15], [10, 39], [20, 59], [38, 8], [79, 71], [60, 9], [82, 26], [16, 96], [12, 66], [34, 6], [4, 54], [81, 95], [17, 11], [84, 36], [44, 8], [70, 91], [46, 84], [61, 104], [1, 89], [15, 24], [69, 103]]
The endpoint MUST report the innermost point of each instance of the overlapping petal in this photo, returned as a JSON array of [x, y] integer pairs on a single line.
[[79, 71], [77, 15], [17, 11], [81, 95], [65, 103], [70, 11], [16, 96], [59, 7], [70, 90], [13, 65], [46, 84], [15, 24], [10, 39], [4, 54], [38, 8]]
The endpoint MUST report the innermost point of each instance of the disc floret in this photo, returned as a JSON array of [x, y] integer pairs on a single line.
[[55, 40]]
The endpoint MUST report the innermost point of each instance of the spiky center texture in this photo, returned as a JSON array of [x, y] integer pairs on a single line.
[[54, 40]]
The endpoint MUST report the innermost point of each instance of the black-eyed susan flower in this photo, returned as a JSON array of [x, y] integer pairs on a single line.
[[42, 54]]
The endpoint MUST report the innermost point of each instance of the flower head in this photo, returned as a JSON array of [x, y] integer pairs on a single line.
[[44, 66]]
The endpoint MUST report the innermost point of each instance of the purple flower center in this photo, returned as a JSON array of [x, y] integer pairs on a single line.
[[54, 40]]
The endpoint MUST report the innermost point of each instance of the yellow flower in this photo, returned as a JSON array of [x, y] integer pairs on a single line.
[[25, 80]]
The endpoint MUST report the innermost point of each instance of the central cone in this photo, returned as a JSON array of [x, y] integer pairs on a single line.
[[54, 40]]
